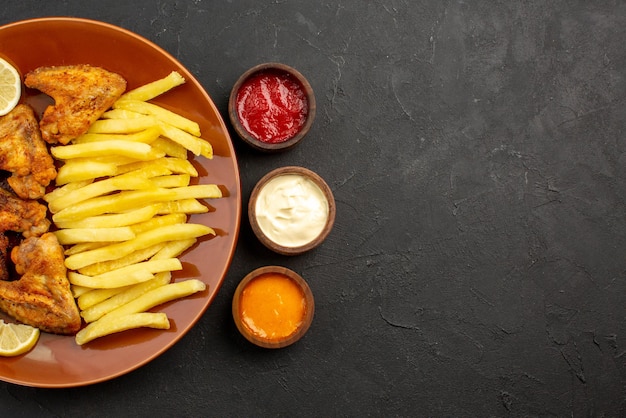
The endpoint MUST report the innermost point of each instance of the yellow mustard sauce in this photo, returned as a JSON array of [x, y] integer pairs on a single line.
[[272, 306]]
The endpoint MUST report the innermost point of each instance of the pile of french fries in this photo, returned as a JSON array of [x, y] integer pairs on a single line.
[[121, 208]]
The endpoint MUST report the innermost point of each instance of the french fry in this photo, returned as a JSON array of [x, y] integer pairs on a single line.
[[175, 165], [96, 296], [125, 276], [120, 114], [196, 191], [81, 235], [116, 126], [143, 240], [190, 142], [162, 114], [116, 160], [132, 149], [147, 136], [83, 170], [65, 189], [181, 166], [98, 189], [128, 200], [174, 248], [85, 246], [133, 277], [128, 294], [206, 149], [168, 182], [188, 206], [99, 329], [121, 202], [157, 297], [159, 222], [114, 220], [156, 88], [169, 147], [78, 291], [151, 90], [133, 180], [132, 258]]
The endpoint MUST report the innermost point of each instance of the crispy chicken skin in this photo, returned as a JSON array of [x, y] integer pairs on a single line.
[[24, 153], [25, 216], [41, 297], [4, 257], [82, 93]]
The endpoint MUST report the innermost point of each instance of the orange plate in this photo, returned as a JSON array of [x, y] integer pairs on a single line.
[[57, 361]]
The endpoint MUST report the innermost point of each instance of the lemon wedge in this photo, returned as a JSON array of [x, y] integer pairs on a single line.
[[10, 87], [16, 339]]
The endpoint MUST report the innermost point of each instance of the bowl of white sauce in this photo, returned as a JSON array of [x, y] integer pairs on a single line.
[[291, 210]]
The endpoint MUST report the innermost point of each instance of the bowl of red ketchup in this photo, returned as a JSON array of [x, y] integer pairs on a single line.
[[272, 107]]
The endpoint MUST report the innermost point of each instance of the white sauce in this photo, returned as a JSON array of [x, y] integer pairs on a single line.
[[291, 210]]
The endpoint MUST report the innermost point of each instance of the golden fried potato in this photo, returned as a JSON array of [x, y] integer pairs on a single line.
[[156, 88], [169, 147], [133, 180], [123, 148], [188, 206], [76, 171], [125, 276], [95, 296], [128, 200], [116, 126], [127, 294], [130, 259], [175, 165], [160, 113], [81, 235], [174, 248], [157, 297], [114, 220], [143, 240], [170, 181], [113, 325], [147, 136]]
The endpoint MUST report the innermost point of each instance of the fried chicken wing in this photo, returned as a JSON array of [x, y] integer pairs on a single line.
[[25, 216], [24, 153], [82, 93], [41, 297]]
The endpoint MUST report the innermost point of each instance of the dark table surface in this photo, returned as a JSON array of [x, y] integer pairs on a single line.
[[477, 267]]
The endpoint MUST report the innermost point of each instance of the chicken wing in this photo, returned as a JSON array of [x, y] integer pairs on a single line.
[[25, 216], [82, 93], [24, 153], [41, 297]]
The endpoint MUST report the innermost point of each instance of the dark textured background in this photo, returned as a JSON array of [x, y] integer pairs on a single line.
[[477, 266]]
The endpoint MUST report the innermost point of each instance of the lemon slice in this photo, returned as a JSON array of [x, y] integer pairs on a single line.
[[10, 87], [16, 339]]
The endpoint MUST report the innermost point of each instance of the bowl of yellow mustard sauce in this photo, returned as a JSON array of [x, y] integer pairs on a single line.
[[273, 307]]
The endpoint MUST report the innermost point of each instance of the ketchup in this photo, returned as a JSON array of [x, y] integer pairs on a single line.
[[272, 106]]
